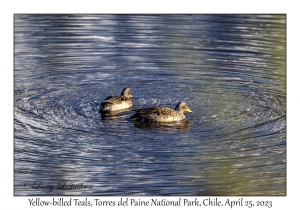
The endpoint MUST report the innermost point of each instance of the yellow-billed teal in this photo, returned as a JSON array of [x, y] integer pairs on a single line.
[[115, 103], [161, 114]]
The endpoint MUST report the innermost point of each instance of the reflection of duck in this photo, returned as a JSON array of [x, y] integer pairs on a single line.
[[116, 103], [182, 125], [115, 114], [161, 114]]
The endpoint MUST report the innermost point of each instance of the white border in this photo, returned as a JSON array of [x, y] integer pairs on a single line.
[[8, 8]]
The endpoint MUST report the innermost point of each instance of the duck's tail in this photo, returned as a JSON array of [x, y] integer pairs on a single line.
[[105, 107]]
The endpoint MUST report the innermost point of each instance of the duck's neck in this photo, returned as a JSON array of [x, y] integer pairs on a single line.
[[126, 97], [180, 110]]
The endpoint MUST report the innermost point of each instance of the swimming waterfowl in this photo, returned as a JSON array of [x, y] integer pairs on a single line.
[[116, 103], [161, 114]]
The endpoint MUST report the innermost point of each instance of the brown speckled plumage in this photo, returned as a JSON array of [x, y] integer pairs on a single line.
[[115, 103], [161, 114]]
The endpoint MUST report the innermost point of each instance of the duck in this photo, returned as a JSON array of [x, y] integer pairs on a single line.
[[161, 114], [117, 103]]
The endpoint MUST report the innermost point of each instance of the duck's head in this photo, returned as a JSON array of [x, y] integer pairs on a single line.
[[182, 107], [126, 92]]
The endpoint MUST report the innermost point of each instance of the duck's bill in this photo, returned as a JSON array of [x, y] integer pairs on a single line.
[[131, 96], [188, 110]]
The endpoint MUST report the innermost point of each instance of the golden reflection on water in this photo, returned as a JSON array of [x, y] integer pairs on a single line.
[[236, 176]]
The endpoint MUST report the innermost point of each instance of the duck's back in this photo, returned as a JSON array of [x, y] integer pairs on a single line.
[[113, 99], [114, 103], [157, 114]]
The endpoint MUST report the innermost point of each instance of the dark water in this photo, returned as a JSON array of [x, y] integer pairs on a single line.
[[230, 69]]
